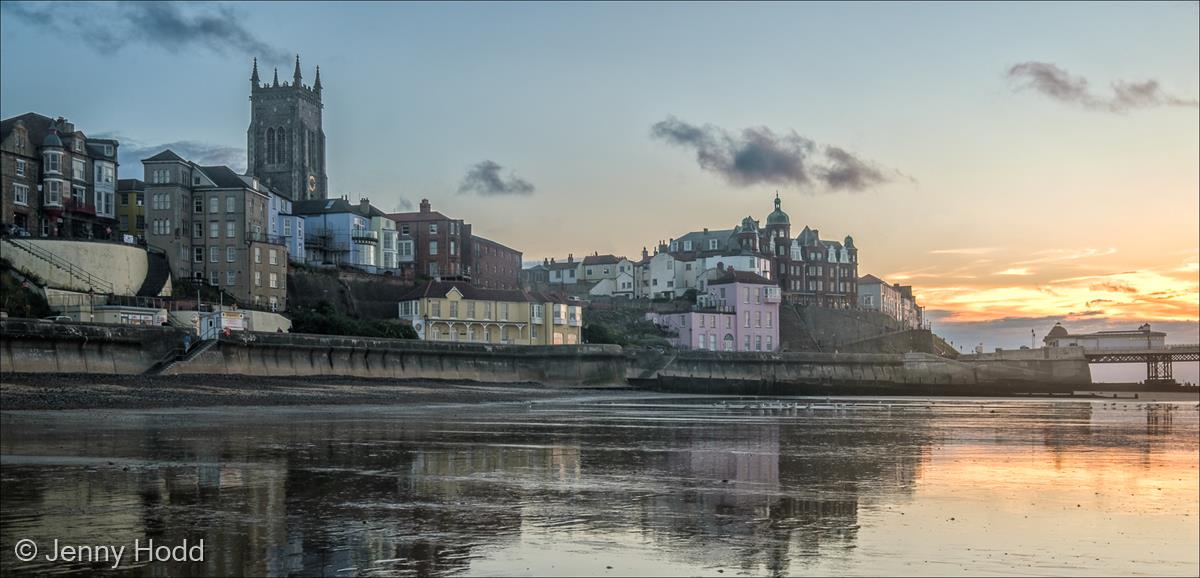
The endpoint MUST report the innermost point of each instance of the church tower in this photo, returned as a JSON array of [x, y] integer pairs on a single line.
[[285, 144]]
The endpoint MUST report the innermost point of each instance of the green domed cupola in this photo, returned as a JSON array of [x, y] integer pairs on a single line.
[[778, 217]]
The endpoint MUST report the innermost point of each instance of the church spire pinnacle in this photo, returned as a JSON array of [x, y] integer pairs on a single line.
[[275, 83], [317, 82], [254, 73], [296, 75]]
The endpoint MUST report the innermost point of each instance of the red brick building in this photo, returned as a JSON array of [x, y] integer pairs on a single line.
[[444, 248]]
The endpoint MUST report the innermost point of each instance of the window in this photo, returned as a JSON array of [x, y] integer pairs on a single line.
[[230, 254], [435, 308], [214, 254], [453, 247], [214, 204], [271, 258], [758, 318], [746, 344], [20, 193], [454, 309], [432, 228], [108, 173], [197, 232], [230, 228], [728, 322], [231, 278], [504, 311], [53, 162], [198, 254], [746, 319], [403, 229], [78, 145], [258, 255], [214, 229], [287, 227], [79, 193], [746, 296], [20, 168], [433, 247], [53, 192], [712, 244], [230, 204], [487, 310], [274, 281], [758, 295], [213, 277], [258, 279], [108, 150], [770, 317], [758, 343]]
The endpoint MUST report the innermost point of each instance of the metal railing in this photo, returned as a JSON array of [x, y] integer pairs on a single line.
[[94, 282]]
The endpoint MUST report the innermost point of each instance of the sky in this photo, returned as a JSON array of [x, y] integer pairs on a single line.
[[1018, 164]]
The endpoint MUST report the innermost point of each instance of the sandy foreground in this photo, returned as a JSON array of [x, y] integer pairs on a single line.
[[76, 391]]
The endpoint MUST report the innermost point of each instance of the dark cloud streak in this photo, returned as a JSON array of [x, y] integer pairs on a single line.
[[484, 179], [176, 27], [131, 152], [760, 156], [1054, 82]]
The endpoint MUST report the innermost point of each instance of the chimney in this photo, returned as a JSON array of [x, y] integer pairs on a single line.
[[364, 204], [645, 253], [570, 257], [545, 262], [706, 229], [552, 260], [424, 205]]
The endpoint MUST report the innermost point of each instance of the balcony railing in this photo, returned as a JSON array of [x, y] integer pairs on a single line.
[[364, 236], [265, 238], [73, 205]]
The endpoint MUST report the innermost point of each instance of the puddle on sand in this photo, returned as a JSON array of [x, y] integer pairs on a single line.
[[618, 485]]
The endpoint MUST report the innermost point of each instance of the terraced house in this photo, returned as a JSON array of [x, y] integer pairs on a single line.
[[459, 311], [55, 181], [213, 225]]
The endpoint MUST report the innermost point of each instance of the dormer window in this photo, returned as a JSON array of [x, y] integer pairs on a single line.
[[78, 145], [108, 150]]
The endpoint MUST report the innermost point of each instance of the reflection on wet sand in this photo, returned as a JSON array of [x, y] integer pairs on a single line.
[[649, 487]]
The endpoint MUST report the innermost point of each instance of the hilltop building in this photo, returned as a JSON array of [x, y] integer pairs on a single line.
[[285, 143], [895, 301], [213, 225], [445, 249], [55, 181], [739, 311], [131, 207]]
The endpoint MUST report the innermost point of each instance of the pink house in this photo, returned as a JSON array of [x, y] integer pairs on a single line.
[[739, 311]]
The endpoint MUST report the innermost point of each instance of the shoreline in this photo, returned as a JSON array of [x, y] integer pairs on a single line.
[[80, 391], [25, 391]]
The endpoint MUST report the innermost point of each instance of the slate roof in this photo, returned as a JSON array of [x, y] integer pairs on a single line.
[[36, 126], [418, 216], [131, 185], [439, 289], [871, 280], [601, 260], [736, 276], [166, 155], [331, 206]]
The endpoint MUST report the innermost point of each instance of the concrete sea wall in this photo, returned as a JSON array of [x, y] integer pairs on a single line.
[[311, 355], [38, 346], [32, 346]]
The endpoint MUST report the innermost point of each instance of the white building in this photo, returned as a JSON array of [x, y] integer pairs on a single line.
[[1142, 338]]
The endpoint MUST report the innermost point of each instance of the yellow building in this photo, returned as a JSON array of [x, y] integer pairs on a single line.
[[131, 206], [457, 311]]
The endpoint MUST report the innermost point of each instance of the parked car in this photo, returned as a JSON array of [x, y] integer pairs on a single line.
[[59, 318]]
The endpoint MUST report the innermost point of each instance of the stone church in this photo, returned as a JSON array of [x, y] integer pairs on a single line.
[[285, 143]]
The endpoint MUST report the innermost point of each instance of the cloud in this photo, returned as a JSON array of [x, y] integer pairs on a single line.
[[1059, 255], [131, 152], [1056, 83], [484, 179], [1017, 271], [757, 155], [176, 27]]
